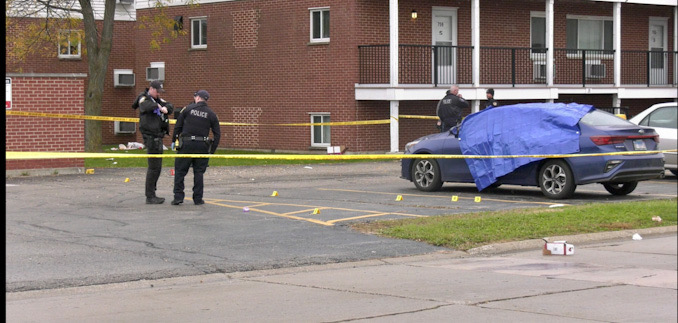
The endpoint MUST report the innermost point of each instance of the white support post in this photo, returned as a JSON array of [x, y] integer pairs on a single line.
[[393, 47], [393, 54], [475, 106], [549, 43], [616, 27], [616, 103], [394, 126], [475, 39]]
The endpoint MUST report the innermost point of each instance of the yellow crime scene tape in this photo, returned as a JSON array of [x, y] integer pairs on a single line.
[[173, 121], [25, 155]]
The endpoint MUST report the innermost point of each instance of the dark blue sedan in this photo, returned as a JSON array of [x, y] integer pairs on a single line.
[[538, 131]]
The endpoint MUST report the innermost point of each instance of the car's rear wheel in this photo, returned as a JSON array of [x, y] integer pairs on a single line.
[[426, 175], [556, 179], [620, 188]]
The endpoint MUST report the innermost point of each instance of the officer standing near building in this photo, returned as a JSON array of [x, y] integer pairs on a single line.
[[192, 132], [154, 125], [450, 108], [491, 102]]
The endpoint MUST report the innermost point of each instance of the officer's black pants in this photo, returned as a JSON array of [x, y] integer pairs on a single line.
[[153, 146], [181, 166]]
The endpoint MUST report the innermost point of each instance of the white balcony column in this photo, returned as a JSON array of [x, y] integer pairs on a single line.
[[475, 41], [475, 106], [395, 142], [393, 55], [616, 42], [616, 103], [549, 42], [393, 47]]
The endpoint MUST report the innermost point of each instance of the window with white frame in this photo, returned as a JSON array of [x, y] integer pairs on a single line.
[[590, 33], [199, 32], [69, 44], [538, 32], [320, 25], [320, 134]]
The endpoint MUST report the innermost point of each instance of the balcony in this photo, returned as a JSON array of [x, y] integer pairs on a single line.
[[515, 66]]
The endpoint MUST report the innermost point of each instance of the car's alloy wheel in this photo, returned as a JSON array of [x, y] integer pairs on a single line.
[[620, 188], [426, 175], [556, 180]]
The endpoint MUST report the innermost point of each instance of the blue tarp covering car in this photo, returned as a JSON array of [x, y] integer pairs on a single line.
[[542, 129]]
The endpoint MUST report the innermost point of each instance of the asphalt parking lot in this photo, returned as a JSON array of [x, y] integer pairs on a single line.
[[79, 230]]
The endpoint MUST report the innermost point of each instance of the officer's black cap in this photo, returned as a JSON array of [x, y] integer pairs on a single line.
[[157, 85], [203, 94], [490, 91]]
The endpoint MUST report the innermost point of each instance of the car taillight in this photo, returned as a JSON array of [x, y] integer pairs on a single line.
[[610, 140]]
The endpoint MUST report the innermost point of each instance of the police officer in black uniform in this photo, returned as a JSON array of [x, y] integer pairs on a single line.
[[491, 102], [154, 125], [450, 108], [192, 131]]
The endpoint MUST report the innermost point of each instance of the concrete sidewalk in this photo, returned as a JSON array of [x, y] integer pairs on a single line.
[[610, 278]]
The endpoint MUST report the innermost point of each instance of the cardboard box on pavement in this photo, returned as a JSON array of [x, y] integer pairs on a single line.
[[561, 248]]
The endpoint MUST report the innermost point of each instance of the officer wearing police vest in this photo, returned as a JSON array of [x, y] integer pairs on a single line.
[[450, 108], [154, 125], [192, 134]]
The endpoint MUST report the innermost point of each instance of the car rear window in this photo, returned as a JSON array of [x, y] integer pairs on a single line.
[[601, 118]]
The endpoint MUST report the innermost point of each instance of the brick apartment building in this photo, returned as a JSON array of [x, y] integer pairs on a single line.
[[271, 62]]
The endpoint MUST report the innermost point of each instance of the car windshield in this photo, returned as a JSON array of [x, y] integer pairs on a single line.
[[601, 118]]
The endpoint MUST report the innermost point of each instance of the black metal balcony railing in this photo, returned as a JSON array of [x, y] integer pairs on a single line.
[[426, 64]]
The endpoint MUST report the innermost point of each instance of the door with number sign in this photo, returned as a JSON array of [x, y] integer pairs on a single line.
[[658, 51], [444, 38]]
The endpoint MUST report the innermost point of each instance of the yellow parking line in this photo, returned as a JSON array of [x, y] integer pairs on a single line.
[[275, 214], [439, 196], [358, 217], [305, 211]]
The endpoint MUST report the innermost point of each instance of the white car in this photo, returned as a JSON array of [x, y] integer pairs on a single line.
[[662, 118]]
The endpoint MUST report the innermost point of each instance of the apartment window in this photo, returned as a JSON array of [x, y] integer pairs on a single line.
[[589, 33], [320, 25], [199, 32], [320, 134], [538, 32], [69, 44]]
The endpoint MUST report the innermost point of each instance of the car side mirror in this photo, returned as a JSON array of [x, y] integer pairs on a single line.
[[455, 131]]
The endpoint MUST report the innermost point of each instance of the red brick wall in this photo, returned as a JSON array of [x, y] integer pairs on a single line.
[[39, 94], [260, 68], [116, 102]]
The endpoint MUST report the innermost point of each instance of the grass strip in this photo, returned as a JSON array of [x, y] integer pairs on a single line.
[[169, 162], [471, 230]]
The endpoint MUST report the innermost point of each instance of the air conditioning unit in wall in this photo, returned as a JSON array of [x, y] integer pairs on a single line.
[[539, 71], [122, 127], [126, 1], [155, 73], [123, 78], [595, 71]]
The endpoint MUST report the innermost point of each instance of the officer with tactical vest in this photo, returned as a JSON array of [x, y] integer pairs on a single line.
[[450, 108], [191, 135], [154, 125]]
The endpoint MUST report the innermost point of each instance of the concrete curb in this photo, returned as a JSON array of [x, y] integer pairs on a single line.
[[534, 244]]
